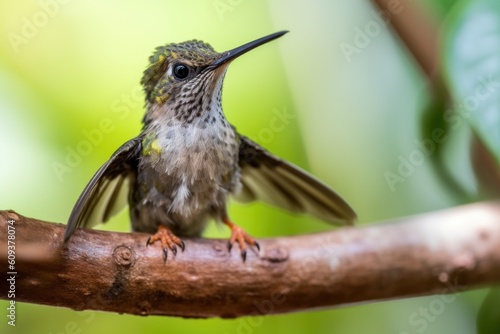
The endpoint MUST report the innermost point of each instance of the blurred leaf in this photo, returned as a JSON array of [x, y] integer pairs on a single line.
[[488, 319], [432, 120], [441, 7], [472, 67]]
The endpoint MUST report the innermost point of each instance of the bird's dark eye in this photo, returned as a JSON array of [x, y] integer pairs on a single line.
[[181, 71]]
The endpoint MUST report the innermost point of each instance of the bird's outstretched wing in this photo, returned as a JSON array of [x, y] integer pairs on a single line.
[[270, 179], [107, 192]]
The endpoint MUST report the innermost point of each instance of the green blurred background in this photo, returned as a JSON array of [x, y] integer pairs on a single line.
[[351, 120]]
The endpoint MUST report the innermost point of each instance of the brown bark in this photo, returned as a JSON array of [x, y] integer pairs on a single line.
[[417, 30], [441, 252]]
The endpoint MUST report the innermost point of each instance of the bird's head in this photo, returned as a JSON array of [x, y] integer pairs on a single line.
[[186, 76]]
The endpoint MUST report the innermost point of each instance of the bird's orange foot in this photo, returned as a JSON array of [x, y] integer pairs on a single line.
[[242, 237], [168, 241]]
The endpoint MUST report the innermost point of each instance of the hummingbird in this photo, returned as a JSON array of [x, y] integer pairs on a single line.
[[188, 160]]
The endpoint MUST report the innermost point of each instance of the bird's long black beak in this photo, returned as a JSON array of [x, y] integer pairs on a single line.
[[232, 54]]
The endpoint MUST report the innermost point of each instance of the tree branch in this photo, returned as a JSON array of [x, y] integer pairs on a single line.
[[418, 31], [441, 252]]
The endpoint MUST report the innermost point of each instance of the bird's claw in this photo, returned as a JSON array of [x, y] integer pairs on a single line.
[[168, 241], [256, 244], [243, 238]]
